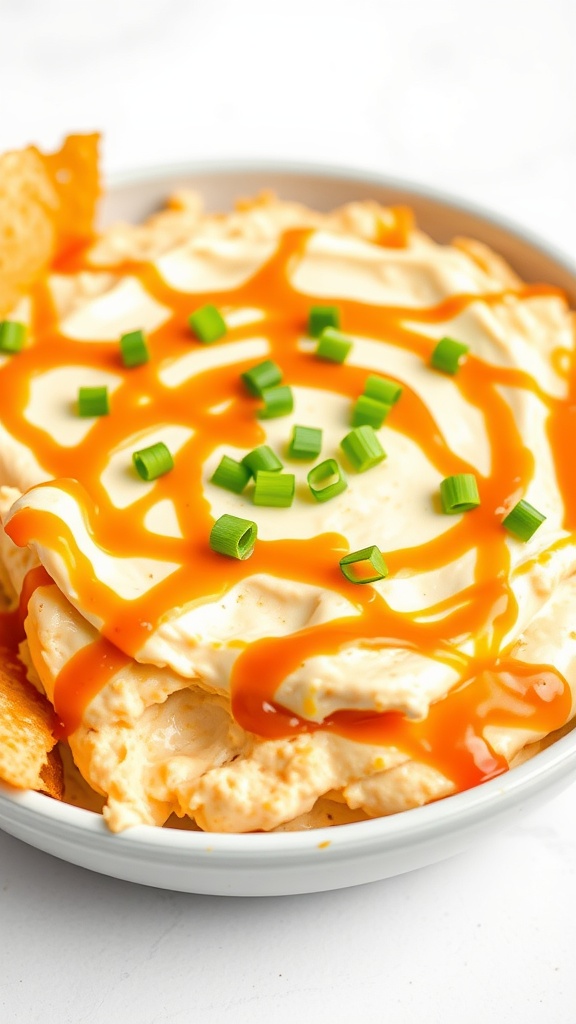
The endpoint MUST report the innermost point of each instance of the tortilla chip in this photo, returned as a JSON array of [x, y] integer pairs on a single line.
[[47, 206], [73, 174], [52, 776], [28, 759]]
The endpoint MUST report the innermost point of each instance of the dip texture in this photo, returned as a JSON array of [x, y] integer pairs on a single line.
[[271, 692]]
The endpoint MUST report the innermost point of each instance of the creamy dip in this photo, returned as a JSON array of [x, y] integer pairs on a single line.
[[240, 692]]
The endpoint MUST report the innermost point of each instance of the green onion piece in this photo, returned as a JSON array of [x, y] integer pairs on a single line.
[[459, 493], [263, 375], [133, 349], [363, 448], [326, 480], [364, 566], [233, 536], [320, 317], [262, 458], [277, 402], [274, 489], [93, 401], [333, 345], [448, 354], [12, 336], [369, 410], [231, 475], [153, 462], [208, 324], [382, 389], [523, 520], [306, 443]]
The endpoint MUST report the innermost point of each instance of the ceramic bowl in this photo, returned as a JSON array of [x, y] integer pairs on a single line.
[[298, 862]]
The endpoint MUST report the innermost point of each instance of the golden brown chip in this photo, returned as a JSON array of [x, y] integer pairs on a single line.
[[52, 776], [27, 756], [28, 204], [73, 173], [47, 206]]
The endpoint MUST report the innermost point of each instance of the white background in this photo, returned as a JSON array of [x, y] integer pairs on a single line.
[[480, 101]]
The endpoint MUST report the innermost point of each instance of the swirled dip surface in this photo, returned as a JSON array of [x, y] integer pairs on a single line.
[[240, 693]]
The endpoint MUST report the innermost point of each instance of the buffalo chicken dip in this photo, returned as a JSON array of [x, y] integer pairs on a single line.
[[288, 503]]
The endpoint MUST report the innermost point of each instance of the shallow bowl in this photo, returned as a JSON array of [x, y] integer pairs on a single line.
[[299, 862]]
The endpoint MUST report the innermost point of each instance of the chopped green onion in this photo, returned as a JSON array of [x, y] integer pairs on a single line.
[[277, 402], [369, 410], [523, 520], [93, 401], [12, 336], [326, 480], [262, 458], [447, 355], [363, 448], [306, 443], [382, 389], [233, 536], [320, 317], [459, 493], [274, 489], [231, 475], [208, 324], [364, 566], [153, 462], [333, 345], [133, 349], [263, 375]]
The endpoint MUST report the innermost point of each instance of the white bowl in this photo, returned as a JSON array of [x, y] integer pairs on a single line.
[[298, 862]]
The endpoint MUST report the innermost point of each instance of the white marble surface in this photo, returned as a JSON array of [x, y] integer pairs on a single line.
[[479, 100]]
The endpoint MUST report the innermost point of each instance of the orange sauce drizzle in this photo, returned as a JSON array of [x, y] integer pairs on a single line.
[[493, 690], [34, 578], [12, 621], [82, 678]]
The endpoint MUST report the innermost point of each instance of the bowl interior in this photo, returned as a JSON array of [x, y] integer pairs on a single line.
[[62, 829], [135, 196]]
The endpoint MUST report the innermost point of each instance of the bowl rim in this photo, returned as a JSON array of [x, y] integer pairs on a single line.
[[222, 167], [461, 811]]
